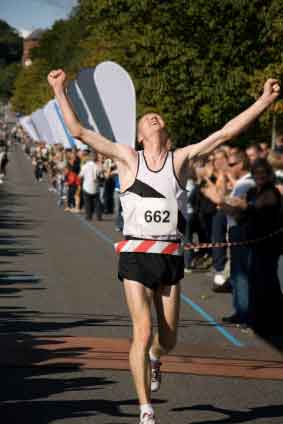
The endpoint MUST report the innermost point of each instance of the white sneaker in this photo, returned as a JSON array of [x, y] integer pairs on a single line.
[[147, 418], [219, 279], [155, 376]]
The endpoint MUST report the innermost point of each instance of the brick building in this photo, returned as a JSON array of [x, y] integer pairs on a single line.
[[30, 42]]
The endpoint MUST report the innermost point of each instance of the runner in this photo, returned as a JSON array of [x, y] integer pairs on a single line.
[[154, 202]]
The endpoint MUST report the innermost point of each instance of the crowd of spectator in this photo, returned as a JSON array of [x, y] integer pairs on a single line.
[[85, 181], [5, 143], [234, 194]]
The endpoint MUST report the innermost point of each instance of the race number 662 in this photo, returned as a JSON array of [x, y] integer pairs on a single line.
[[157, 216]]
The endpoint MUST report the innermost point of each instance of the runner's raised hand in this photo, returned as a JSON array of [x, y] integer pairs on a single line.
[[56, 79], [271, 90]]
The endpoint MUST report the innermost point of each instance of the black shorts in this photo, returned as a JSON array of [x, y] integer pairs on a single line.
[[151, 269]]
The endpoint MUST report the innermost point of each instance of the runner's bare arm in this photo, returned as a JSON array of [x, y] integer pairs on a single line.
[[234, 127], [122, 153]]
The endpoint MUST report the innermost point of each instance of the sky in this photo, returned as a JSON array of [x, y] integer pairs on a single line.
[[28, 15]]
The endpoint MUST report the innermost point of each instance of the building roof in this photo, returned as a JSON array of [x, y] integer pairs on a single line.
[[35, 35]]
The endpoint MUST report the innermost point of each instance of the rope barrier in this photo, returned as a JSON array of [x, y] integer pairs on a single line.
[[176, 248], [197, 246]]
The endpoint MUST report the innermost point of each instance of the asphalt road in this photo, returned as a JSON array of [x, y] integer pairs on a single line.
[[64, 328]]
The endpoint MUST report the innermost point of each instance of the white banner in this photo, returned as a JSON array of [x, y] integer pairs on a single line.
[[60, 131], [56, 126], [27, 124], [104, 100], [41, 124]]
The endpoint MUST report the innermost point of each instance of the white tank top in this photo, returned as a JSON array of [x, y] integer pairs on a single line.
[[154, 207]]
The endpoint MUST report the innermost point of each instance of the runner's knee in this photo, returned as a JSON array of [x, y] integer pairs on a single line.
[[143, 337]]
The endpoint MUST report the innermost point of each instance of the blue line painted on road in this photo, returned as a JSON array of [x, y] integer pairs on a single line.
[[208, 318], [99, 233], [185, 299]]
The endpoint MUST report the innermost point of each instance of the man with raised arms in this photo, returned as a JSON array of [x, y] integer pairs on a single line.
[[154, 204]]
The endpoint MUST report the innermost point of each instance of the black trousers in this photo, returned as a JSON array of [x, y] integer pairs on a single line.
[[71, 196], [266, 294], [92, 204]]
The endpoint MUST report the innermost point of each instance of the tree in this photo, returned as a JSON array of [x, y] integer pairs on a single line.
[[31, 90], [10, 44], [199, 63], [8, 76], [10, 56]]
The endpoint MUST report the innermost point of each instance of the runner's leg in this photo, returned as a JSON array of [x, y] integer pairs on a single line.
[[139, 300], [167, 304]]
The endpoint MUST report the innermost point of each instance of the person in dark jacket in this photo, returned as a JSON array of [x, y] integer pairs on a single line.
[[264, 212]]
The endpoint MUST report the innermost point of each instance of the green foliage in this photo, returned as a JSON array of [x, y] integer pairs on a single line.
[[10, 56], [10, 45], [31, 88], [199, 63], [60, 45], [8, 75]]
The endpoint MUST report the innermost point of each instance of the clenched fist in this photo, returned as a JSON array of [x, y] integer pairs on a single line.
[[271, 90], [56, 79]]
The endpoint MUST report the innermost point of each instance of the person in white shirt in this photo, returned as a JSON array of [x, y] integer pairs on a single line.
[[89, 175], [240, 255]]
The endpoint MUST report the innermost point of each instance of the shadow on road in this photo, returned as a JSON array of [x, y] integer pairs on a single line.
[[232, 416], [30, 393]]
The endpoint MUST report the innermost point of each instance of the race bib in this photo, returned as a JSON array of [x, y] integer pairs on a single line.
[[156, 217]]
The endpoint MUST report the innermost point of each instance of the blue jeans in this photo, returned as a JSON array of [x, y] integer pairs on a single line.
[[219, 229], [189, 254], [240, 269], [71, 196], [118, 211]]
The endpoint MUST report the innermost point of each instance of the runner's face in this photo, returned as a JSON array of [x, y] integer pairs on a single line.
[[150, 124]]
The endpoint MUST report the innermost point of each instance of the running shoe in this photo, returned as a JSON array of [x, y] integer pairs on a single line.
[[155, 376], [75, 210], [147, 418], [188, 270], [223, 288]]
